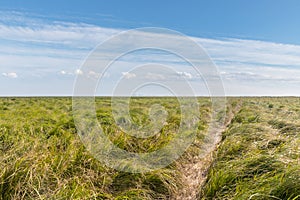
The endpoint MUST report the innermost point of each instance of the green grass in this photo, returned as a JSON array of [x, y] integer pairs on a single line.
[[259, 157], [42, 157]]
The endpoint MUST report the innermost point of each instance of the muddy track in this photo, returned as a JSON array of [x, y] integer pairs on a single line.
[[194, 172]]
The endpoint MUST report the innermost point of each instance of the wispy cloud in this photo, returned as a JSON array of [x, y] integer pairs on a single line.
[[185, 75], [10, 75], [128, 75], [252, 52], [78, 72], [36, 47], [36, 30]]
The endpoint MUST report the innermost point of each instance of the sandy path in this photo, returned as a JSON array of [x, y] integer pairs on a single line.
[[194, 172]]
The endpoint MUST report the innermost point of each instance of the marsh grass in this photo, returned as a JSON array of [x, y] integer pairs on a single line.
[[42, 157], [259, 155]]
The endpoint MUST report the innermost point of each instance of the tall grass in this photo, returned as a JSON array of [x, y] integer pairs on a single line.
[[42, 157], [259, 155]]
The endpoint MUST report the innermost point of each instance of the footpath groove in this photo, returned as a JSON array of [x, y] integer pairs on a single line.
[[194, 172]]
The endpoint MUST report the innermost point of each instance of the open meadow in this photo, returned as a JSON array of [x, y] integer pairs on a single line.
[[257, 155]]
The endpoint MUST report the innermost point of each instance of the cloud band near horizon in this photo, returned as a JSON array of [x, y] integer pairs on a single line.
[[41, 57]]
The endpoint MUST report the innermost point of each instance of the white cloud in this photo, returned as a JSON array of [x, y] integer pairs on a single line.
[[185, 75], [48, 47], [93, 74], [66, 73], [78, 72], [251, 51], [76, 35], [128, 75], [96, 75], [10, 75]]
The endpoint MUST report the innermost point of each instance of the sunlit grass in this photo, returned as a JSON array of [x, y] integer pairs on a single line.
[[42, 157], [259, 155]]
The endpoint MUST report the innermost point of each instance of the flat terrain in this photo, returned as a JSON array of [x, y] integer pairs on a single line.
[[255, 155]]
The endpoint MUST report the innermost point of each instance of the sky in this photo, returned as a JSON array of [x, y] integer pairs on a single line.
[[254, 45]]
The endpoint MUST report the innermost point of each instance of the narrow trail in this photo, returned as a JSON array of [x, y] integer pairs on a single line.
[[194, 172]]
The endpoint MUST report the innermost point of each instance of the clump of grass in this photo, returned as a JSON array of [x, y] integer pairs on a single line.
[[42, 157], [254, 161], [284, 127]]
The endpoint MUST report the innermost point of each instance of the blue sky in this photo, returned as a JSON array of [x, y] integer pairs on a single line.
[[255, 44]]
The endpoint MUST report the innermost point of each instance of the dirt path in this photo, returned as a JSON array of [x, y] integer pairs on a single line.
[[194, 172]]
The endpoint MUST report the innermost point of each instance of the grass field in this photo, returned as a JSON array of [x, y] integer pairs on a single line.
[[42, 157], [259, 157]]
